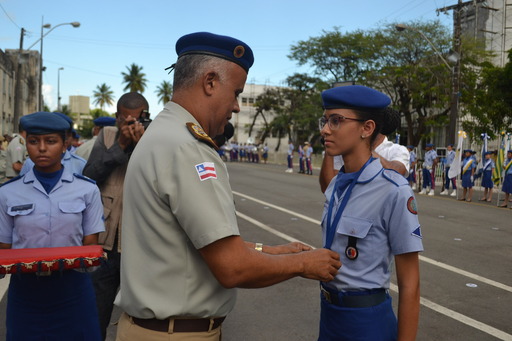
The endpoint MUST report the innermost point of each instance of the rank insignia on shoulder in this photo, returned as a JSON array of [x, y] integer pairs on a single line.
[[197, 131], [411, 205]]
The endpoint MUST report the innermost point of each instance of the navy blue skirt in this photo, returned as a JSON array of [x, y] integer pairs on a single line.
[[61, 306], [507, 184], [487, 179]]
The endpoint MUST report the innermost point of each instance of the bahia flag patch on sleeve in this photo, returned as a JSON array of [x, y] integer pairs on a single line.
[[206, 170]]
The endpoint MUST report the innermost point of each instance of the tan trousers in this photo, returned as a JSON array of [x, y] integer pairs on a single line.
[[129, 331]]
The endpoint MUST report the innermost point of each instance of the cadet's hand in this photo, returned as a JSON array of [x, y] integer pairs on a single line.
[[287, 248], [130, 133], [321, 264]]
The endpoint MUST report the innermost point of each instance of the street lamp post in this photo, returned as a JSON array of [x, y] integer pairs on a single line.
[[454, 103], [58, 88], [74, 24]]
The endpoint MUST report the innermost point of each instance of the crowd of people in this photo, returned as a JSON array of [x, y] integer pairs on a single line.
[[166, 217]]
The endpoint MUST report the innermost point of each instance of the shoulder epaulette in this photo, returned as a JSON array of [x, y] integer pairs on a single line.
[[198, 133], [394, 177], [16, 178], [83, 177]]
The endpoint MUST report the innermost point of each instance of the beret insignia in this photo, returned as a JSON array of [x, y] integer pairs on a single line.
[[198, 133], [239, 51]]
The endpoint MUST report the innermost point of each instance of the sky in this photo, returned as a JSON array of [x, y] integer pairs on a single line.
[[114, 34]]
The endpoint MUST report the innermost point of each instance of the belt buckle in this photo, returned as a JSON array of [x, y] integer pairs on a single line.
[[327, 295]]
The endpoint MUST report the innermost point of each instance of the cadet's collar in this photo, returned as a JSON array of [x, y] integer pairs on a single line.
[[370, 172]]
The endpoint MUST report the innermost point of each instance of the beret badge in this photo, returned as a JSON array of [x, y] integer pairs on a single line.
[[239, 51]]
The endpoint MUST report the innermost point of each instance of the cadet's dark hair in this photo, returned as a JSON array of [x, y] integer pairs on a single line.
[[132, 100]]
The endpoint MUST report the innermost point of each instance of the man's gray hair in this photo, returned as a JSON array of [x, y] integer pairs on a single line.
[[190, 68]]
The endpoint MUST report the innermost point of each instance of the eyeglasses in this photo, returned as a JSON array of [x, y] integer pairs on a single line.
[[334, 121]]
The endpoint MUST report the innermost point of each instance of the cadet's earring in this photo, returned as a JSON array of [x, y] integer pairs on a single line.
[[363, 137]]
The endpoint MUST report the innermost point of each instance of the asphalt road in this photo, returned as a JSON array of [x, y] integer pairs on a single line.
[[466, 272]]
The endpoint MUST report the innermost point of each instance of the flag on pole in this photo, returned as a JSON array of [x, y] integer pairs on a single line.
[[455, 168], [480, 165], [496, 174]]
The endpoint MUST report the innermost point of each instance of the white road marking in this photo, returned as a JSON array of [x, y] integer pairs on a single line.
[[423, 301]]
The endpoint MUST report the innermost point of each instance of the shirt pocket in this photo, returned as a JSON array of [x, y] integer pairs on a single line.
[[354, 227], [20, 209], [72, 206]]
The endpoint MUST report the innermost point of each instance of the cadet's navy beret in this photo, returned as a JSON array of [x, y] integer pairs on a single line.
[[468, 151], [410, 146], [42, 122], [216, 45], [450, 145], [488, 153], [354, 97], [66, 117], [75, 133], [429, 145], [105, 121], [509, 151]]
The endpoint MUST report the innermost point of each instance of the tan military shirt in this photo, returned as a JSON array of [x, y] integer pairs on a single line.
[[177, 199]]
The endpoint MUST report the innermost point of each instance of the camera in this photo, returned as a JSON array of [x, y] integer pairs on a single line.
[[144, 119]]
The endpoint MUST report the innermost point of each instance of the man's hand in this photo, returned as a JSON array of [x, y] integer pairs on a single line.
[[321, 264], [286, 248], [130, 132]]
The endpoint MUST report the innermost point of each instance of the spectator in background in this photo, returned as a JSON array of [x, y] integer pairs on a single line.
[[107, 166], [289, 158], [412, 167], [85, 149], [450, 156], [16, 154], [429, 170]]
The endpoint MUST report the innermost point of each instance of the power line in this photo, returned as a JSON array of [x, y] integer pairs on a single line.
[[8, 16]]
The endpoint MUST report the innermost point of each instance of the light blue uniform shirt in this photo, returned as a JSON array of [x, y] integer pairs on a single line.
[[290, 149], [71, 161], [381, 213], [31, 218], [450, 156], [505, 163], [430, 156]]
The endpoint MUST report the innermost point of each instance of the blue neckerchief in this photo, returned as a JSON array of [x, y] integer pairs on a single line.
[[48, 180], [343, 180]]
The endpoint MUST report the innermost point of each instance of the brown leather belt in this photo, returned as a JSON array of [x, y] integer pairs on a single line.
[[180, 325]]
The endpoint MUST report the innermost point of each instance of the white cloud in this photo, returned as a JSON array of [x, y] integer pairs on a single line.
[[49, 97]]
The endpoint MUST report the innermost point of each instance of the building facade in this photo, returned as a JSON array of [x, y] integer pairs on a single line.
[[18, 99]]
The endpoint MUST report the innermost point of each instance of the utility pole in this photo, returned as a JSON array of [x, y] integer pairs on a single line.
[[17, 90], [457, 30]]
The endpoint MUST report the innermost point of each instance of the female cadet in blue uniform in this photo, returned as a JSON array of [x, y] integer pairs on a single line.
[[369, 218], [488, 168], [50, 207], [468, 175]]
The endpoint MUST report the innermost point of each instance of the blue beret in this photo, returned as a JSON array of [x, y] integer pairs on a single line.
[[429, 145], [354, 97], [216, 45], [509, 151], [410, 146], [468, 151], [450, 145], [66, 117], [42, 122], [488, 153], [75, 134], [105, 121]]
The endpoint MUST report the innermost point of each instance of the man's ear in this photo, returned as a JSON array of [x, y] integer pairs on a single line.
[[210, 81]]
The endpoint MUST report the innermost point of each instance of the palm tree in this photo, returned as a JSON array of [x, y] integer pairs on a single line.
[[164, 92], [135, 80], [103, 95]]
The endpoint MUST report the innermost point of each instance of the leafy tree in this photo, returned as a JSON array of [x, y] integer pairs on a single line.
[[489, 109], [134, 79], [103, 95], [400, 64], [164, 92]]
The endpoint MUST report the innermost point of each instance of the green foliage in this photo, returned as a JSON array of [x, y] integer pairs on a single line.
[[103, 95], [134, 79], [403, 64], [489, 101], [164, 92]]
